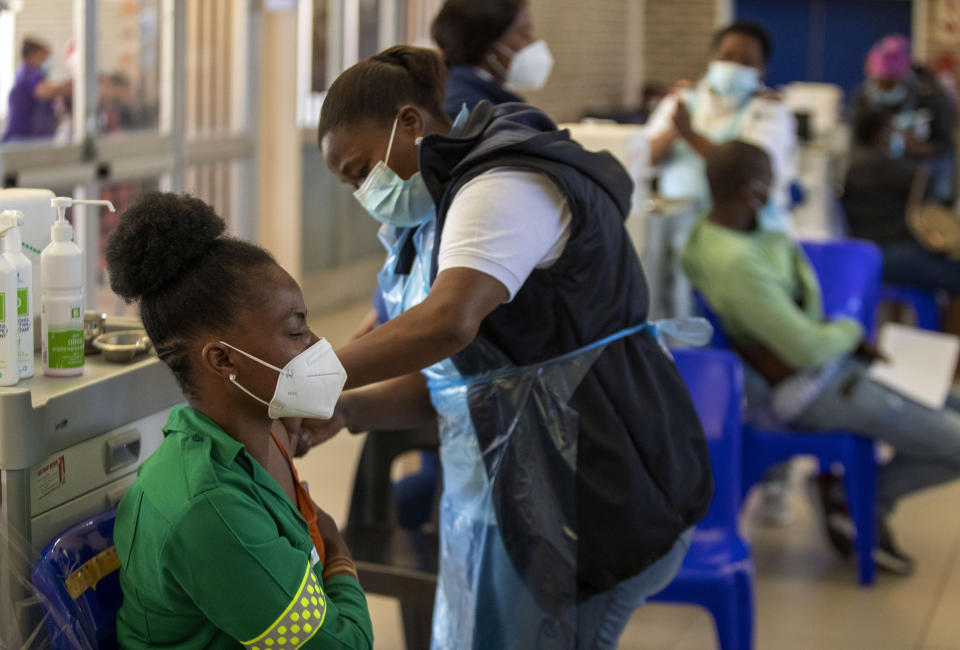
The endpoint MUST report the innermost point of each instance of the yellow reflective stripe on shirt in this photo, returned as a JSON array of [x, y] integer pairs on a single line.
[[92, 572], [300, 620]]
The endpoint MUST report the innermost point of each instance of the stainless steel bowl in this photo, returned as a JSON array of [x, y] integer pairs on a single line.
[[122, 347]]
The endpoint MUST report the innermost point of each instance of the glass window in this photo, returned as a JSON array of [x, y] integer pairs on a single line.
[[369, 28], [210, 59], [128, 58], [225, 185], [36, 90], [122, 195], [319, 73]]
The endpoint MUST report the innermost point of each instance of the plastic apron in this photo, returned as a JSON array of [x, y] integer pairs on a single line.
[[684, 175], [488, 597]]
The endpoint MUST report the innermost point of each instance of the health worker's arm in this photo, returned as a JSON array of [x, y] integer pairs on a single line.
[[46, 90], [660, 129], [401, 403], [501, 226], [683, 123], [228, 557], [446, 322]]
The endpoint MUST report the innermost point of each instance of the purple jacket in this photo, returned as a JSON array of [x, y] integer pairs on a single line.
[[29, 117]]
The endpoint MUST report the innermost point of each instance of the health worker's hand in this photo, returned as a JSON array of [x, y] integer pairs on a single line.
[[869, 352], [306, 434], [682, 122]]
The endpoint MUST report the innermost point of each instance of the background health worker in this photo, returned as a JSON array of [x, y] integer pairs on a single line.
[[523, 262], [729, 103], [490, 51]]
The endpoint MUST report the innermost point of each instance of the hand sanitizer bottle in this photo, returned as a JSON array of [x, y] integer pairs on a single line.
[[61, 310]]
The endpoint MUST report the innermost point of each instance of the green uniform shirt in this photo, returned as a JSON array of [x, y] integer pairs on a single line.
[[214, 555], [763, 289]]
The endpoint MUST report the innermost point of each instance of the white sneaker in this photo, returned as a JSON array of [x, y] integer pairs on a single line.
[[775, 506]]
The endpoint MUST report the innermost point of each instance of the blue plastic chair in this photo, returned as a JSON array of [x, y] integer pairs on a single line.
[[849, 274], [717, 573], [925, 304], [78, 579]]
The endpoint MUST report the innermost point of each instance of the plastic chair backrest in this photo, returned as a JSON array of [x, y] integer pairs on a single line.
[[719, 339], [78, 580], [849, 274], [714, 379], [372, 501]]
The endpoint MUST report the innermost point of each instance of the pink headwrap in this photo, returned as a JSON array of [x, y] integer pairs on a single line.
[[889, 58]]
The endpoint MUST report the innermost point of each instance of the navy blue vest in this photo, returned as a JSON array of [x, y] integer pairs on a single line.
[[466, 86], [643, 470]]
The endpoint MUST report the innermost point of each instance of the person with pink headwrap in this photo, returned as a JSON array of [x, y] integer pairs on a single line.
[[922, 113]]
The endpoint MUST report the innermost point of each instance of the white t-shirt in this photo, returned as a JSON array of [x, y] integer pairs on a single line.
[[505, 223]]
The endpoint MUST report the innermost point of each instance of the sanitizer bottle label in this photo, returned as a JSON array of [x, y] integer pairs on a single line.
[[4, 333], [65, 338], [23, 324]]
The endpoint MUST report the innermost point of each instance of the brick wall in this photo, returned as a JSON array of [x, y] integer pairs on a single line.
[[934, 44], [589, 41], [677, 38]]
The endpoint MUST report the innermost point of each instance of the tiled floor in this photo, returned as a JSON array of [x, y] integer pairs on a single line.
[[807, 597]]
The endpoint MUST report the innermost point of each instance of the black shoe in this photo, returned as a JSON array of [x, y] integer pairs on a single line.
[[887, 556], [841, 531]]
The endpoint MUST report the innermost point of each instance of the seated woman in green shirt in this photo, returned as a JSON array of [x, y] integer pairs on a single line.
[[213, 548], [813, 372]]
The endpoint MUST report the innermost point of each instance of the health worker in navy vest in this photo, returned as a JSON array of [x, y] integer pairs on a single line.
[[574, 465], [490, 51]]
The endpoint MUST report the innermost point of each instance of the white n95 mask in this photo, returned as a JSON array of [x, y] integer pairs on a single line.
[[529, 67], [391, 200], [308, 387]]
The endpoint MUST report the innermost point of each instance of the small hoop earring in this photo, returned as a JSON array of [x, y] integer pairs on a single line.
[[418, 140]]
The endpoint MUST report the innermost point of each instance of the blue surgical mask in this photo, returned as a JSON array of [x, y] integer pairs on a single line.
[[46, 66], [889, 98], [732, 79], [391, 200]]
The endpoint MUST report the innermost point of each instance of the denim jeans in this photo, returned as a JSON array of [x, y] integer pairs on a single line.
[[927, 441], [910, 264], [602, 619]]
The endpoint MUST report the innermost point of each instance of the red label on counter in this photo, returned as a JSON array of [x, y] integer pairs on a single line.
[[51, 476]]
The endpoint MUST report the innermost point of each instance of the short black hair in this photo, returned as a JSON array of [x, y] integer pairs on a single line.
[[747, 28], [465, 30], [869, 125], [375, 89], [31, 46], [732, 165], [169, 253]]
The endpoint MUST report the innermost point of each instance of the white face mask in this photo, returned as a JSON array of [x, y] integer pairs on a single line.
[[529, 67], [309, 385]]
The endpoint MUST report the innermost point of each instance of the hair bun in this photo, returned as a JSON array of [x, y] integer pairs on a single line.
[[160, 236], [425, 66]]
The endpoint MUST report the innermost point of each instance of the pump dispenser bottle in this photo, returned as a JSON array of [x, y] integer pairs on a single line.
[[12, 253], [61, 311], [9, 339]]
